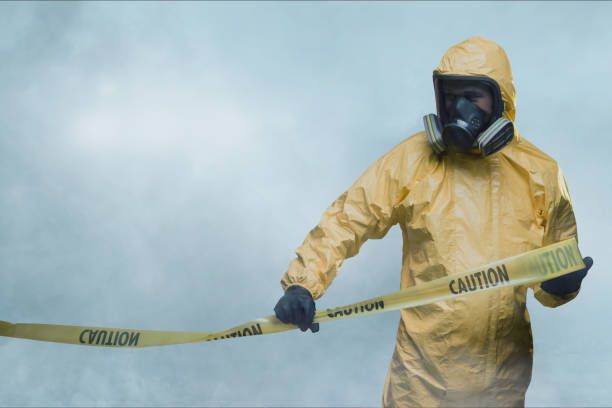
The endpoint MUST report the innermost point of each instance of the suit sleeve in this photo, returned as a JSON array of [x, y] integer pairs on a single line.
[[366, 210], [560, 225]]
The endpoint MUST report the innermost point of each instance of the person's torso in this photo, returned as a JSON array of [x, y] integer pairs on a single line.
[[466, 212]]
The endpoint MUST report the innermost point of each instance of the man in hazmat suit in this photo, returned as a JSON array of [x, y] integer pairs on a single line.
[[466, 192]]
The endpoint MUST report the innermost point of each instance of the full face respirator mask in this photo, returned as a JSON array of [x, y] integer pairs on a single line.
[[460, 125]]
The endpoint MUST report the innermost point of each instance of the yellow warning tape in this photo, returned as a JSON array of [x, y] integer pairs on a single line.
[[523, 269]]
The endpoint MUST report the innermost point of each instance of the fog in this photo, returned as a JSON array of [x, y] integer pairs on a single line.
[[160, 162]]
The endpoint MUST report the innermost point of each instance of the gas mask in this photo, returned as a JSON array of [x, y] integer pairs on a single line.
[[464, 127]]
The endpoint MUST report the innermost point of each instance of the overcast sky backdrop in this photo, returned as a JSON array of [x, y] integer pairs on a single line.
[[159, 164]]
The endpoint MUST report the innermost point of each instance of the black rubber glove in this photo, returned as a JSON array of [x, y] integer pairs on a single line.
[[297, 307], [566, 284]]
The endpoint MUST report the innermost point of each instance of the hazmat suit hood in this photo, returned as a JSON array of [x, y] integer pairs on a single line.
[[478, 56]]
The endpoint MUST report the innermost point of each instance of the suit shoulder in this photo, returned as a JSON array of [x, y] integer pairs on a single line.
[[413, 148], [531, 157], [407, 161]]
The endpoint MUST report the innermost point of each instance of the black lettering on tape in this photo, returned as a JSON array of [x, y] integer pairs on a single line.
[[554, 259], [462, 287], [123, 340], [492, 274], [544, 264], [477, 274], [570, 255], [471, 279], [546, 257], [100, 336], [450, 286], [81, 336], [503, 273], [134, 339], [484, 276], [561, 258], [110, 337]]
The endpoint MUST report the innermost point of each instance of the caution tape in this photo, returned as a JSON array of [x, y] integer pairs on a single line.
[[523, 269]]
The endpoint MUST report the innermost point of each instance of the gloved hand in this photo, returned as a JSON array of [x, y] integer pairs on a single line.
[[566, 284], [297, 307]]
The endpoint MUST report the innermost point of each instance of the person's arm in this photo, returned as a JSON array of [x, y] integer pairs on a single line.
[[366, 210], [560, 224]]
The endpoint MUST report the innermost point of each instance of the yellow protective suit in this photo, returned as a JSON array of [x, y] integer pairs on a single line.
[[456, 212]]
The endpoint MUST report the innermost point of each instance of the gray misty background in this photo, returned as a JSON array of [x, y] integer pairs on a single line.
[[159, 164]]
